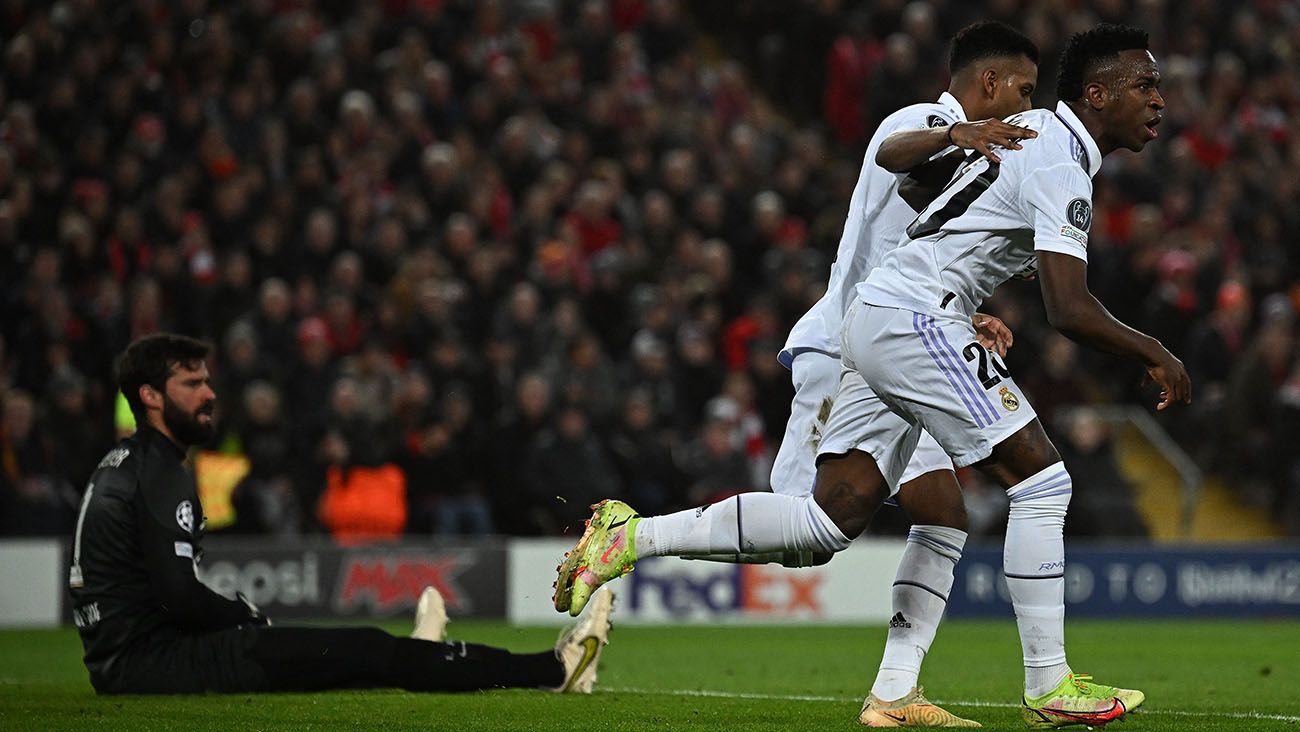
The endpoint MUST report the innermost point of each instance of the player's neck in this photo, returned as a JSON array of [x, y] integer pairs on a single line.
[[968, 98], [1091, 120]]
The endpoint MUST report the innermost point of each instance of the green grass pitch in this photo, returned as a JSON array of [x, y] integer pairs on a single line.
[[1197, 675]]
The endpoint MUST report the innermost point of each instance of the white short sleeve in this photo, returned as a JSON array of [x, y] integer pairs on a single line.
[[923, 119], [909, 119], [1057, 201]]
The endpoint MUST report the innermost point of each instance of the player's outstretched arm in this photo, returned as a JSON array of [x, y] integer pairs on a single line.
[[906, 149], [1072, 310]]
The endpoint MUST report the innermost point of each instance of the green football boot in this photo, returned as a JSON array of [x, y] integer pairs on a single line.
[[1078, 701], [607, 550]]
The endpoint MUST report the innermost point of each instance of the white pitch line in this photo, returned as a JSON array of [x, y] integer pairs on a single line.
[[952, 702]]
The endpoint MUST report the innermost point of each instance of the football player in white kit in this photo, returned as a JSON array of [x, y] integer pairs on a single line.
[[994, 71], [908, 336]]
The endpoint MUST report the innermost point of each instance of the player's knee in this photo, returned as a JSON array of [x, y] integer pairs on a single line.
[[950, 514], [946, 541], [818, 532], [1026, 453], [849, 490], [934, 499], [1046, 493], [953, 516]]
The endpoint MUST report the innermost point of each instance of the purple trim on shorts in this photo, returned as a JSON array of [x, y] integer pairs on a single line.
[[786, 357], [952, 381], [983, 394], [978, 398]]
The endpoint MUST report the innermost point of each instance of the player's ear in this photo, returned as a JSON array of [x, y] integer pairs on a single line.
[[151, 397], [1095, 95], [989, 82]]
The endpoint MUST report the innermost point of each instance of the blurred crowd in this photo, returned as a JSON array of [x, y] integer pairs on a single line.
[[514, 256]]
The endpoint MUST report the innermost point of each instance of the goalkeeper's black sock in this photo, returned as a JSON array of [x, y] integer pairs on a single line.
[[419, 665]]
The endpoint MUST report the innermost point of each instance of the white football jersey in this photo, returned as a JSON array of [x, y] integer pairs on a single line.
[[876, 219], [987, 224]]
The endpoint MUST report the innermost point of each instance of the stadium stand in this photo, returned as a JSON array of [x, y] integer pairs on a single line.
[[528, 254]]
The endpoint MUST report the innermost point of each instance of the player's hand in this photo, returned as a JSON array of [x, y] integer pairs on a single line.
[[255, 616], [992, 333], [1171, 376], [984, 135]]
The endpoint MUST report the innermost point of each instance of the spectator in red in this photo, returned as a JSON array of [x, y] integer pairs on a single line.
[[589, 223], [849, 67]]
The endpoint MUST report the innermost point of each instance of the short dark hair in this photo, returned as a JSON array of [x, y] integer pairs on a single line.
[[149, 360], [1087, 49], [988, 39]]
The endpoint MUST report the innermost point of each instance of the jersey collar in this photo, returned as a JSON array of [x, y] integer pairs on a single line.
[[953, 105], [1085, 148], [147, 432]]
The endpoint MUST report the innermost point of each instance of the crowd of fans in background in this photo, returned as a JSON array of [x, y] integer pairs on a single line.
[[532, 253]]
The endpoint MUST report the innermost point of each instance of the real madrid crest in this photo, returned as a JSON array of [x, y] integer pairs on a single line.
[[1009, 400]]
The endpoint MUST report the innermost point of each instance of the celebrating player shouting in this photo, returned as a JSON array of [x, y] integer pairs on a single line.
[[909, 337]]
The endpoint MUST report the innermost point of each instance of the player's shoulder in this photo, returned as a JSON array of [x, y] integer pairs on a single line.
[[1055, 145], [916, 116], [1037, 119], [119, 469]]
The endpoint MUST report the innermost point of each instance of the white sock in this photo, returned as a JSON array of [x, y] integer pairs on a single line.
[[1033, 559], [920, 593], [743, 524]]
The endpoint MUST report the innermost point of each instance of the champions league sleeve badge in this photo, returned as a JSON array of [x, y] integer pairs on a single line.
[[185, 516]]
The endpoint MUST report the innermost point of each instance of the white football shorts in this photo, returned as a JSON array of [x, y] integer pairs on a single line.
[[816, 377], [907, 374]]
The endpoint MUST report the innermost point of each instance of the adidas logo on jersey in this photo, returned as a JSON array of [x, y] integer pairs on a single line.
[[898, 621]]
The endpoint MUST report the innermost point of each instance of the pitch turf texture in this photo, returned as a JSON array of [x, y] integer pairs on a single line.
[[1197, 676]]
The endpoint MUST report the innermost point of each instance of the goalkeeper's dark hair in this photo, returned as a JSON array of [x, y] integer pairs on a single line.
[[1091, 48], [150, 360], [988, 39]]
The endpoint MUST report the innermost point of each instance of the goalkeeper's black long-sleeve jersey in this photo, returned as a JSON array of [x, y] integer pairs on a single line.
[[136, 551]]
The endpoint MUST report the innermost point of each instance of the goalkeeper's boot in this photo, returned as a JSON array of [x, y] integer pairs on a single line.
[[1078, 701], [606, 550], [579, 645], [913, 710], [430, 617]]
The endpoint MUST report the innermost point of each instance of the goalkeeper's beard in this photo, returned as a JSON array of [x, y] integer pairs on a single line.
[[186, 428]]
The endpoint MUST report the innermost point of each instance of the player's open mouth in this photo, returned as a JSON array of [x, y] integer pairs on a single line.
[[1151, 127]]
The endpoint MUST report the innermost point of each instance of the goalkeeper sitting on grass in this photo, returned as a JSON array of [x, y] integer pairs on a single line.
[[149, 626]]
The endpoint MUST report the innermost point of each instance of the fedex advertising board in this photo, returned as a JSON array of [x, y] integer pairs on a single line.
[[852, 588]]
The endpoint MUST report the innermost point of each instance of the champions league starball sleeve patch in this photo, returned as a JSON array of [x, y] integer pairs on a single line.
[[185, 516]]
